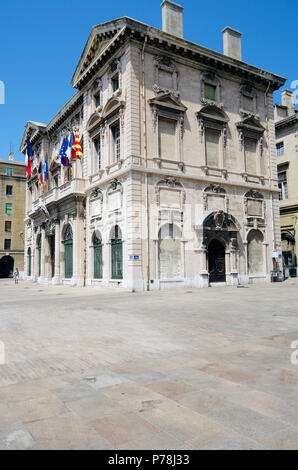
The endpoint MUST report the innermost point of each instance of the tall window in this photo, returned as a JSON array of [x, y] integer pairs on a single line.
[[7, 244], [97, 257], [209, 91], [8, 226], [97, 144], [9, 171], [283, 185], [117, 253], [9, 190], [255, 252], [250, 154], [212, 142], [167, 138], [116, 142], [8, 208], [280, 148], [97, 100], [115, 82], [169, 252]]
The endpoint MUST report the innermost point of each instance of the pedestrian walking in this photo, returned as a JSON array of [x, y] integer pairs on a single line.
[[16, 276]]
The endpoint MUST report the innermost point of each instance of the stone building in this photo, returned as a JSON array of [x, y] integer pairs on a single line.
[[286, 128], [178, 185], [12, 214]]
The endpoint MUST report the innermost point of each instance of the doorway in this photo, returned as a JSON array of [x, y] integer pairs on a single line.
[[216, 261], [52, 254], [6, 267]]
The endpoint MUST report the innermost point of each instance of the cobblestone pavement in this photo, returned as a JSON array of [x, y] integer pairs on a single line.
[[106, 369]]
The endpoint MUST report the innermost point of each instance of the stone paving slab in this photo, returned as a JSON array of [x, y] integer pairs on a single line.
[[109, 369]]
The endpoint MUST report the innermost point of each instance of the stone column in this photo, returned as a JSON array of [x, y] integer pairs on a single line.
[[43, 253], [56, 279]]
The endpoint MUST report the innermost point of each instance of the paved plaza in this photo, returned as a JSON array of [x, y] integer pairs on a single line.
[[109, 369]]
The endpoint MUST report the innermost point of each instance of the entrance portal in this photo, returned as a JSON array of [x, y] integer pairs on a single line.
[[6, 267], [216, 261]]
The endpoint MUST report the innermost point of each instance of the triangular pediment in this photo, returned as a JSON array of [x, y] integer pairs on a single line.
[[251, 123], [33, 130], [168, 100], [100, 38]]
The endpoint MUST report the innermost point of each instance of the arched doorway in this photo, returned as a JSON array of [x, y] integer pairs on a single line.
[[68, 253], [97, 257], [117, 253], [29, 261], [255, 257], [6, 267], [216, 261]]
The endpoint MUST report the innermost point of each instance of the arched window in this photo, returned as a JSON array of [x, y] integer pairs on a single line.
[[117, 253], [255, 257], [169, 252], [29, 261], [68, 253], [97, 257]]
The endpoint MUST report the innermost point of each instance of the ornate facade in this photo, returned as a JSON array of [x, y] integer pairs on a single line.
[[178, 185]]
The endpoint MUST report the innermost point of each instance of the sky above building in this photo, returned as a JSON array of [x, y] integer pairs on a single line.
[[41, 43]]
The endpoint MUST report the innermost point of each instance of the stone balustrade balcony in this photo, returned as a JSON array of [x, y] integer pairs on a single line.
[[74, 187]]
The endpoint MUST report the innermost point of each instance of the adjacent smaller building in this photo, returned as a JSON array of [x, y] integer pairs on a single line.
[[12, 213], [286, 129]]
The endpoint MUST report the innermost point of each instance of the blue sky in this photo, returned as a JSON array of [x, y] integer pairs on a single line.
[[41, 43]]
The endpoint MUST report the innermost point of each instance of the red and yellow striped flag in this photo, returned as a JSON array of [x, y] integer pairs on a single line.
[[77, 147]]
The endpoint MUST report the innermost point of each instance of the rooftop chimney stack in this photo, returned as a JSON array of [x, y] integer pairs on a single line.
[[232, 43], [172, 18], [11, 156], [287, 99]]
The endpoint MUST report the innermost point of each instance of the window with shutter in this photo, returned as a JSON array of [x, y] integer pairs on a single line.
[[167, 139], [250, 152], [212, 139]]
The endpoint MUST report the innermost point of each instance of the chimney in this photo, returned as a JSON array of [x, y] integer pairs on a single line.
[[287, 99], [172, 18], [11, 156], [232, 43]]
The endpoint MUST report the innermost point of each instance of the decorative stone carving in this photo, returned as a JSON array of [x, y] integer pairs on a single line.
[[165, 64], [215, 188]]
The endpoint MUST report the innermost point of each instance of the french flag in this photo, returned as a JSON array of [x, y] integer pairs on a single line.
[[29, 155]]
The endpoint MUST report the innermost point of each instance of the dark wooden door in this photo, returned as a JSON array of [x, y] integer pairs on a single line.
[[68, 253], [216, 261], [117, 259], [52, 253], [97, 258]]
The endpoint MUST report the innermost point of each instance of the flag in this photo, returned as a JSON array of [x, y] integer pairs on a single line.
[[45, 170], [77, 147], [62, 152], [29, 155], [39, 178], [46, 174], [71, 153]]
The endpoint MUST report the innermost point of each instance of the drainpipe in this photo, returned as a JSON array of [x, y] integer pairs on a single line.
[[146, 165]]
